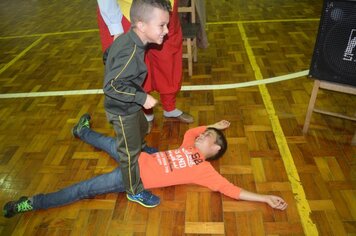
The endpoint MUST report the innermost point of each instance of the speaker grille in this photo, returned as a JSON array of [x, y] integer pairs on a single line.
[[334, 57]]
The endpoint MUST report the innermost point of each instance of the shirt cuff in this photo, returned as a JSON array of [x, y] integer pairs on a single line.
[[115, 29]]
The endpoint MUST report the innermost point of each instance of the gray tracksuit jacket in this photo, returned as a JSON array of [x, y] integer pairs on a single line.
[[125, 72]]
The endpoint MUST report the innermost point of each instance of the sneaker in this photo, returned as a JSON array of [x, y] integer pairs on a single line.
[[145, 198], [14, 207], [84, 121], [149, 150]]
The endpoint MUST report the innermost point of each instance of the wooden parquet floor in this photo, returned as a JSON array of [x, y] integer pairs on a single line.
[[54, 46]]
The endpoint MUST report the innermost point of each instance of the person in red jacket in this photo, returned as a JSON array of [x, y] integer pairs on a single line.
[[188, 164], [164, 62]]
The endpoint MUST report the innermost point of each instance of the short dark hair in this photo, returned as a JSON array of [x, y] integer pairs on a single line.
[[221, 141], [141, 10]]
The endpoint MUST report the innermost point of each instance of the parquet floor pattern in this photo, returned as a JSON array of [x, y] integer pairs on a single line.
[[54, 46]]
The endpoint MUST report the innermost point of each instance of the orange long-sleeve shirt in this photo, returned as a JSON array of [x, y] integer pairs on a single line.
[[184, 165]]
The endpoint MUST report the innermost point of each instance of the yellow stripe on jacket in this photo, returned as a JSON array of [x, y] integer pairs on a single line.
[[125, 6]]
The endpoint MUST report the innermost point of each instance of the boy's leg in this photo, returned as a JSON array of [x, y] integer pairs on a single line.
[[83, 131], [130, 131], [108, 144], [106, 183], [100, 141], [130, 141]]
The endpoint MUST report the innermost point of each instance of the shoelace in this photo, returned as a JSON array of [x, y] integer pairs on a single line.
[[146, 196], [24, 206], [85, 124]]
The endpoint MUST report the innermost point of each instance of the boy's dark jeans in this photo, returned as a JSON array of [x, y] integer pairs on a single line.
[[106, 183]]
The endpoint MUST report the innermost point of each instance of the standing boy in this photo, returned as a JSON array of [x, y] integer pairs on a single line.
[[164, 62], [125, 73]]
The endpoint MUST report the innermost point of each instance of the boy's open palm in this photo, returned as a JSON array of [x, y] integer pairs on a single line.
[[150, 102], [223, 124]]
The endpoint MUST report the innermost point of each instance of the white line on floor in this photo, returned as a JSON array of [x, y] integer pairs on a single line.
[[184, 88]]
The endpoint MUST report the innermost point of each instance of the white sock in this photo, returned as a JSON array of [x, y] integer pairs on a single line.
[[149, 117]]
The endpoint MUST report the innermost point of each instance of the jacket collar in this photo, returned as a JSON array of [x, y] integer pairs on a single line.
[[136, 39]]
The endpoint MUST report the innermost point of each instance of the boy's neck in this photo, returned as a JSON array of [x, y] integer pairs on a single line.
[[205, 155], [140, 36]]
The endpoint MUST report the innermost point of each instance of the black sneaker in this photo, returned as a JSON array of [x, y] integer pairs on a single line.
[[145, 198], [84, 121], [14, 207]]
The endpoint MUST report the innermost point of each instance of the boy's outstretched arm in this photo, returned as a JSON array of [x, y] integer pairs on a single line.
[[272, 200], [223, 124]]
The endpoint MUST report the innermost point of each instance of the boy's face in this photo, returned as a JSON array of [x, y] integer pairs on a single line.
[[205, 142], [155, 28]]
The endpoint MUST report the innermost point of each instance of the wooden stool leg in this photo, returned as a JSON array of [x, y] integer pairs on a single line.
[[190, 57], [195, 50], [311, 106]]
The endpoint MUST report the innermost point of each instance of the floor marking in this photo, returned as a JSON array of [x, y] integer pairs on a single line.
[[184, 88], [50, 34], [297, 188], [52, 93], [260, 21], [21, 54], [207, 23], [245, 84]]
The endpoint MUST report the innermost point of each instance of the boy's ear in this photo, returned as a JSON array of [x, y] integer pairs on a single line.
[[140, 25], [216, 147]]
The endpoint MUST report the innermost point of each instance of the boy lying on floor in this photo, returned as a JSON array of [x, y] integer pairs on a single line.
[[187, 164]]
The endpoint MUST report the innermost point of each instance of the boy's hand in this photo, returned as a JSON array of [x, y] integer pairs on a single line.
[[223, 124], [276, 202], [150, 102]]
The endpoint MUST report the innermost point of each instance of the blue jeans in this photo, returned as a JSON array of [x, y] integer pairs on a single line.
[[106, 183]]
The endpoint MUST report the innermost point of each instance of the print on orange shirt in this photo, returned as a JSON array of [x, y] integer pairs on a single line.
[[178, 159]]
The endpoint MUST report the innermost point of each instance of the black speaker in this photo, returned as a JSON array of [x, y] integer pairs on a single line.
[[334, 57]]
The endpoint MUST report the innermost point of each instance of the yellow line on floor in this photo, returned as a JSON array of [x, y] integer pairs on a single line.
[[50, 34], [297, 188], [21, 54], [260, 21]]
